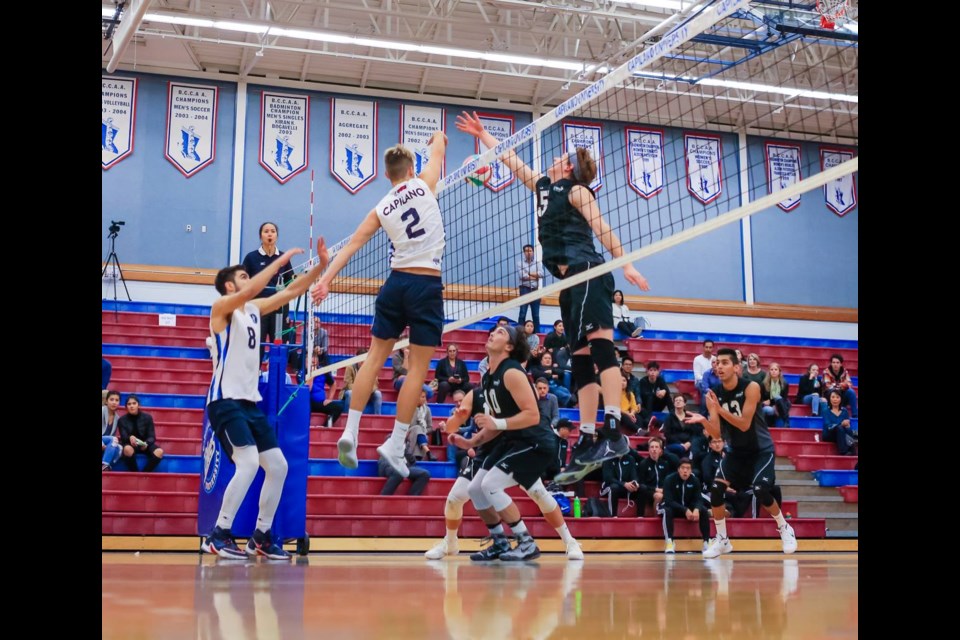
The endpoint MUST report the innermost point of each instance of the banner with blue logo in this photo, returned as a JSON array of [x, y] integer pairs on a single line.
[[284, 131], [118, 111], [586, 135], [645, 160], [191, 127], [500, 127], [839, 195], [783, 170], [704, 166], [417, 126], [353, 142]]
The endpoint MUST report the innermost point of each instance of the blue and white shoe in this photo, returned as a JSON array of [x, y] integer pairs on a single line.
[[262, 544], [220, 542]]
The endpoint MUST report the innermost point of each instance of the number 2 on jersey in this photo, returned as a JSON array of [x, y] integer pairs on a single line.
[[411, 231]]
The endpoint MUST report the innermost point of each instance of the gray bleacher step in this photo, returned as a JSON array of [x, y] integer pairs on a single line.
[[832, 515], [793, 489], [843, 533], [823, 504]]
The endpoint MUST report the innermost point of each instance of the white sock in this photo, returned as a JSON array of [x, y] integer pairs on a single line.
[[519, 528], [781, 523], [588, 427], [353, 423], [399, 435], [565, 534], [451, 535], [615, 410], [496, 530], [721, 528]]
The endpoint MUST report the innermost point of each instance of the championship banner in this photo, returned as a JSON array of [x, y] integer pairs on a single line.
[[645, 160], [783, 170], [588, 135], [840, 195], [417, 125], [118, 104], [191, 127], [353, 142], [704, 167], [500, 127], [284, 131]]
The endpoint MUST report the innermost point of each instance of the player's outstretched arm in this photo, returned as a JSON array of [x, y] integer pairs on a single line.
[[227, 304], [438, 149], [470, 123], [299, 286], [360, 237]]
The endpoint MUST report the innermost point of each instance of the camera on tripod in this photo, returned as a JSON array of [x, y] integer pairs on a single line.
[[114, 228]]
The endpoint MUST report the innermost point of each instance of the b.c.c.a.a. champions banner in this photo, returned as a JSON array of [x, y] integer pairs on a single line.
[[704, 168], [417, 125], [118, 104], [353, 142], [645, 160], [191, 127], [783, 170], [588, 135], [500, 127], [284, 131], [839, 195]]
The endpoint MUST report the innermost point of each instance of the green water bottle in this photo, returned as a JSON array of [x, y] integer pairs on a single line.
[[576, 507]]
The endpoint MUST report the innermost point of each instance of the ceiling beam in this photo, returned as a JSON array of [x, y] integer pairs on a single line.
[[129, 23]]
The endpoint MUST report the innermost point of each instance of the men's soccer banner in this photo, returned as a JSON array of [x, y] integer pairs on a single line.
[[118, 104], [704, 167], [588, 135], [645, 160], [839, 195], [284, 132], [417, 125], [353, 142], [500, 127], [191, 127], [783, 170]]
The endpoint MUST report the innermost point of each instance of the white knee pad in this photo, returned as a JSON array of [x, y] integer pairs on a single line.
[[459, 494], [494, 483], [246, 460], [273, 463], [542, 497], [477, 496]]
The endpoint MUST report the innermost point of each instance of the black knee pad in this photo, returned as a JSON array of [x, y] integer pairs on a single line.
[[604, 354], [718, 492], [582, 369], [762, 492]]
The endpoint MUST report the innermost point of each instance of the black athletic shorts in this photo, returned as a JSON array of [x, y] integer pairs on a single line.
[[526, 460], [746, 471], [586, 307]]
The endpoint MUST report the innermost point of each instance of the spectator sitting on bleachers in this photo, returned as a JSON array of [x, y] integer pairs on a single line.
[[654, 395], [562, 430], [652, 471], [777, 392], [400, 372], [530, 330], [628, 408], [621, 316], [621, 480], [547, 404], [418, 475], [110, 436], [554, 377], [836, 425], [681, 498], [321, 346], [836, 377], [708, 471], [106, 369], [556, 342], [684, 440], [702, 363], [709, 381], [375, 403], [753, 371], [138, 435], [633, 382], [808, 391], [318, 398], [420, 427], [451, 374]]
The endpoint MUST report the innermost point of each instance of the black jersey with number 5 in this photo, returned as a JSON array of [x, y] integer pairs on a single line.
[[757, 438]]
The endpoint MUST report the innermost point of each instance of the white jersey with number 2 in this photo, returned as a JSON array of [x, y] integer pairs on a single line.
[[411, 217]]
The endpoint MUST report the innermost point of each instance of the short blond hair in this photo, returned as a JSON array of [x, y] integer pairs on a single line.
[[398, 160]]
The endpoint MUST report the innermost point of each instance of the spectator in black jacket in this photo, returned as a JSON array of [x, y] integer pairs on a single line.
[[138, 435], [452, 374], [652, 471], [681, 497], [620, 480], [809, 389], [685, 440], [654, 394], [563, 429]]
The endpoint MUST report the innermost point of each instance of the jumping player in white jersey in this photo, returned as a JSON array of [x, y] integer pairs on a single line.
[[232, 400], [412, 294]]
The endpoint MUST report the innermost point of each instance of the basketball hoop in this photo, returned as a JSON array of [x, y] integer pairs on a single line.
[[830, 12]]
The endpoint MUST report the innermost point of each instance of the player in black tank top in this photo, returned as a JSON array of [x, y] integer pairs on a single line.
[[735, 413], [569, 219]]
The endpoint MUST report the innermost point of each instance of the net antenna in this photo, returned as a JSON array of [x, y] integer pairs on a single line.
[[831, 12]]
